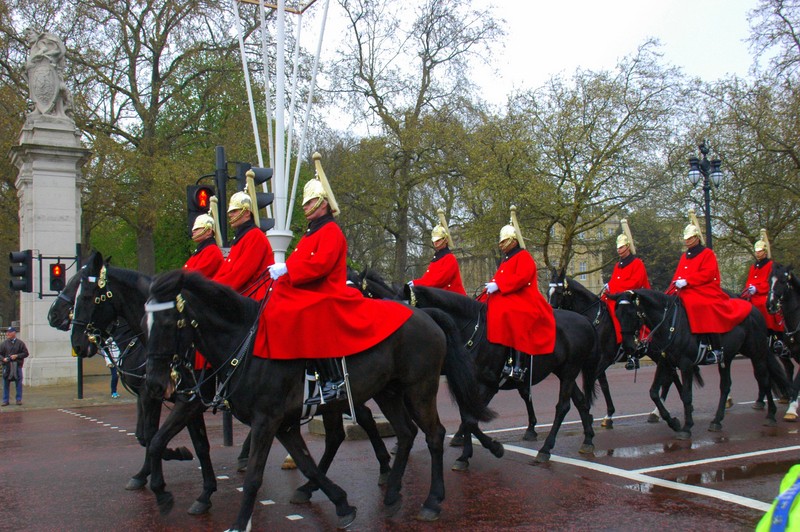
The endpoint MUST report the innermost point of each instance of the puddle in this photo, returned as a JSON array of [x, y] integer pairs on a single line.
[[731, 473]]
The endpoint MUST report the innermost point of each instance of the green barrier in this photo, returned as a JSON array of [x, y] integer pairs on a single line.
[[785, 511]]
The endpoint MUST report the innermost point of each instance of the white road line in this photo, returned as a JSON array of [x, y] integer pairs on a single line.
[[719, 459], [645, 479], [576, 422]]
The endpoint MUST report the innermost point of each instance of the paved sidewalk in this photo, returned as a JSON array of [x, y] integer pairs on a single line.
[[96, 391]]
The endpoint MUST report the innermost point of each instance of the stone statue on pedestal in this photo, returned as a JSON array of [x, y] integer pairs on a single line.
[[44, 73]]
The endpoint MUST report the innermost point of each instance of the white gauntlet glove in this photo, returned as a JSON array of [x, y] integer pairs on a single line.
[[277, 269], [680, 283], [751, 289], [492, 287]]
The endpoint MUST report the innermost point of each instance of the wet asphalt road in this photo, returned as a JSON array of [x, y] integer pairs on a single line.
[[65, 469]]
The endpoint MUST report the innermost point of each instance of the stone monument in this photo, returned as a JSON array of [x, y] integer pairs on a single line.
[[49, 157]]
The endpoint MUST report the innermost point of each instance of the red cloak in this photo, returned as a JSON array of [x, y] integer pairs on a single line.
[[518, 314], [206, 259], [443, 272], [627, 275], [312, 313], [250, 256], [759, 277], [709, 308]]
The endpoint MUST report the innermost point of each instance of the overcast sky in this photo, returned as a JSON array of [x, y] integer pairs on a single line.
[[706, 38]]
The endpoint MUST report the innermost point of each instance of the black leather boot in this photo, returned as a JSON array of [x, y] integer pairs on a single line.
[[331, 382], [632, 363], [518, 372]]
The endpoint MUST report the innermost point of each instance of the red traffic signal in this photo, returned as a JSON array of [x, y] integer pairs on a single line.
[[58, 277], [202, 198], [198, 201]]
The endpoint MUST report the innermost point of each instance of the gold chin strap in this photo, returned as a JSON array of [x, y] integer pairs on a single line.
[[317, 205], [241, 213]]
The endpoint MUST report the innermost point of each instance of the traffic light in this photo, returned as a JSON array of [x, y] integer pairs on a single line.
[[259, 176], [241, 176], [21, 270], [198, 201], [58, 277]]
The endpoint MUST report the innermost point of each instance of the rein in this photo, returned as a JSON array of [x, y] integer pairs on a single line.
[[598, 303], [671, 333]]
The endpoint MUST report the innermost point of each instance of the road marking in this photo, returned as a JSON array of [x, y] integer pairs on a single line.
[[544, 425], [645, 479], [718, 459]]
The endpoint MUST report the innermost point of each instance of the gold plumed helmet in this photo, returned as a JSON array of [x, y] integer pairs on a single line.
[[313, 190], [507, 232], [622, 240], [240, 201], [326, 186], [438, 233], [203, 221], [690, 231], [760, 245]]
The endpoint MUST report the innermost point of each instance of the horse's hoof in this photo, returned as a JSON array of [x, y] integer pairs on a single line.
[[383, 479], [241, 465], [390, 510], [729, 403], [770, 423], [300, 497], [715, 427], [783, 400], [199, 508], [586, 448], [460, 465], [457, 441], [184, 454], [790, 417], [138, 483], [346, 520], [674, 424], [530, 435], [288, 463], [542, 458], [497, 449], [165, 503], [758, 405], [607, 423], [683, 435], [428, 514], [653, 418]]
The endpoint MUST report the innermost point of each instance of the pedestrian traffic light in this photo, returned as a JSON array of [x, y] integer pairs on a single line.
[[21, 270], [198, 201], [261, 200], [58, 277]]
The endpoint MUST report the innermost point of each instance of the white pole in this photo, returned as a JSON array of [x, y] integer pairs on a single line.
[[247, 84], [292, 105], [307, 118], [267, 96], [279, 175]]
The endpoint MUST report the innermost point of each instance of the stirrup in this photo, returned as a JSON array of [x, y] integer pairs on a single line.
[[632, 363], [508, 369], [329, 392], [713, 357], [779, 348], [518, 374]]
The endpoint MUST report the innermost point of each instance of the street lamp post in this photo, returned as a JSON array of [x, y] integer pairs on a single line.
[[711, 173]]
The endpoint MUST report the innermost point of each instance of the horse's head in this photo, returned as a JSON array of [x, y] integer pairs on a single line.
[[781, 282], [558, 295], [169, 341], [631, 318], [93, 313], [60, 314]]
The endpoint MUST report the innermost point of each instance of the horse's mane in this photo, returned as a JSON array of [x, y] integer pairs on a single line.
[[129, 277], [235, 306], [448, 301], [654, 296], [581, 290]]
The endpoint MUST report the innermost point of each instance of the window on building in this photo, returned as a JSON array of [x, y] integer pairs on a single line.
[[582, 267]]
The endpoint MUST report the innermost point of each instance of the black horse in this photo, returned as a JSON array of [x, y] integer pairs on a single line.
[[401, 373], [59, 316], [111, 303], [671, 335], [575, 353], [568, 294], [784, 296]]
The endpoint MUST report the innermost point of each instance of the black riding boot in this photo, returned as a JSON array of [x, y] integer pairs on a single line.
[[778, 345], [633, 362], [715, 355], [513, 369], [331, 382]]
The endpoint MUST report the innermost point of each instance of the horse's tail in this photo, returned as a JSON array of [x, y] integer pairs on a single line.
[[459, 368], [590, 370]]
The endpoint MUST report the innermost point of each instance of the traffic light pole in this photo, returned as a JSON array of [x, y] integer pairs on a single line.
[[221, 180]]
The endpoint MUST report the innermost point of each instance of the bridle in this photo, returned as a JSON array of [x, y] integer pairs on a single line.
[[102, 294], [672, 303], [181, 361], [787, 281], [566, 292]]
